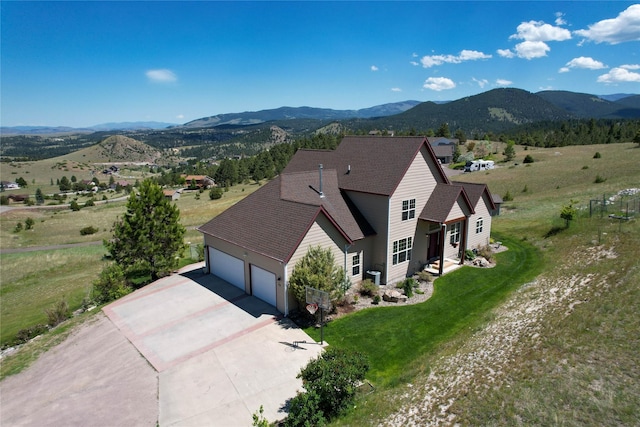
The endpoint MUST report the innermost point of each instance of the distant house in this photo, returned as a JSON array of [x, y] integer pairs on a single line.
[[382, 205], [18, 198], [201, 181], [119, 184], [172, 194], [443, 148], [8, 185]]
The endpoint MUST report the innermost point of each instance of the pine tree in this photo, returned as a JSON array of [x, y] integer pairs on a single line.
[[149, 236], [39, 197], [509, 151]]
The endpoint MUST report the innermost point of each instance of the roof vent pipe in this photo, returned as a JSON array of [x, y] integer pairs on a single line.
[[320, 170], [348, 169]]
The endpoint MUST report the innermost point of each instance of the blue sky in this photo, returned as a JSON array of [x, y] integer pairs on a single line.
[[85, 63]]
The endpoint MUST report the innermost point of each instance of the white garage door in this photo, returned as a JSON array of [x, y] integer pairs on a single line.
[[227, 267], [263, 285]]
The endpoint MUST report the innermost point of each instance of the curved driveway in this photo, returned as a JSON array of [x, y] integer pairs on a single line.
[[214, 356]]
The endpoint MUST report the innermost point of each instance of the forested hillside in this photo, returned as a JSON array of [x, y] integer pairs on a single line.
[[549, 118]]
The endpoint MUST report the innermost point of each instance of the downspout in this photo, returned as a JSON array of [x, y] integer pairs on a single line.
[[444, 239], [207, 266], [286, 291], [346, 275]]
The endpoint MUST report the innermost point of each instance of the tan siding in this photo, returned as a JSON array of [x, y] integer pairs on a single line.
[[322, 233], [482, 211], [375, 210], [418, 183], [456, 212]]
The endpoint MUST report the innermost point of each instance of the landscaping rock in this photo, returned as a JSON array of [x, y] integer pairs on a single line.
[[391, 295], [480, 262]]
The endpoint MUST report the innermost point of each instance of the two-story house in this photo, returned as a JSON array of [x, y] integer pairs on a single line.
[[381, 204]]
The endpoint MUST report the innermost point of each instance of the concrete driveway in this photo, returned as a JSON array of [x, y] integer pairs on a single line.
[[217, 353]]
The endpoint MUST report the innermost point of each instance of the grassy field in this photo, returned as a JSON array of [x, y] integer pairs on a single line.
[[62, 226], [557, 176], [35, 281]]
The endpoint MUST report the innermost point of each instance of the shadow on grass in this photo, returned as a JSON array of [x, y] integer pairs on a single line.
[[556, 229], [394, 337]]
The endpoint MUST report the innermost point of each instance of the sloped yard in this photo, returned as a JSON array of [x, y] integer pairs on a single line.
[[395, 337]]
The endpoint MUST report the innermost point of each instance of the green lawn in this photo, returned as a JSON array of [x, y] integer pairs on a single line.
[[395, 337]]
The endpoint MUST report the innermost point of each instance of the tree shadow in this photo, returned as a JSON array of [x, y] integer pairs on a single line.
[[556, 229]]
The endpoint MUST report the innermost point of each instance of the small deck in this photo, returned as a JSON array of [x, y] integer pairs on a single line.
[[449, 266]]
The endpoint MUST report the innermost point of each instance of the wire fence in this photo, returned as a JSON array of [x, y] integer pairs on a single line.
[[623, 205]]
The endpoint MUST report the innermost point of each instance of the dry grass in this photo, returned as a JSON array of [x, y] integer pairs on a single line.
[[53, 227], [35, 281]]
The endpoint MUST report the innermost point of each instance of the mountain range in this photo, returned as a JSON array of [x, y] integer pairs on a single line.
[[497, 109]]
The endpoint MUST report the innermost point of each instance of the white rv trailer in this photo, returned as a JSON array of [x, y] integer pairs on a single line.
[[478, 165]]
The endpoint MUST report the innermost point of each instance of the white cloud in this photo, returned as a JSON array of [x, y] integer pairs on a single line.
[[535, 35], [180, 116], [439, 83], [414, 63], [374, 68], [621, 74], [503, 82], [560, 19], [583, 62], [161, 76], [506, 53], [465, 55], [624, 28], [538, 31], [482, 83], [564, 70], [396, 89], [532, 49]]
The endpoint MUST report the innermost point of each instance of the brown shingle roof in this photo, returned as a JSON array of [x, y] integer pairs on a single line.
[[369, 164], [273, 220], [475, 191], [441, 202]]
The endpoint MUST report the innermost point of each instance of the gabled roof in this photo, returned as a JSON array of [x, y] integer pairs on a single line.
[[475, 191], [368, 164], [273, 220], [443, 150], [442, 200]]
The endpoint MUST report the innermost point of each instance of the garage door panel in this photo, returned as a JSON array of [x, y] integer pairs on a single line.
[[263, 284], [227, 267]]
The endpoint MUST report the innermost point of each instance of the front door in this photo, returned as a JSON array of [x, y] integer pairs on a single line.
[[434, 245]]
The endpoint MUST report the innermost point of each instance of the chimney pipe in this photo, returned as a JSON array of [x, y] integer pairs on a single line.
[[320, 169], [348, 169]]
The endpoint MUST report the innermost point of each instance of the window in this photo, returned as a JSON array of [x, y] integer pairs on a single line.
[[355, 265], [402, 250], [454, 235], [479, 225], [408, 209]]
